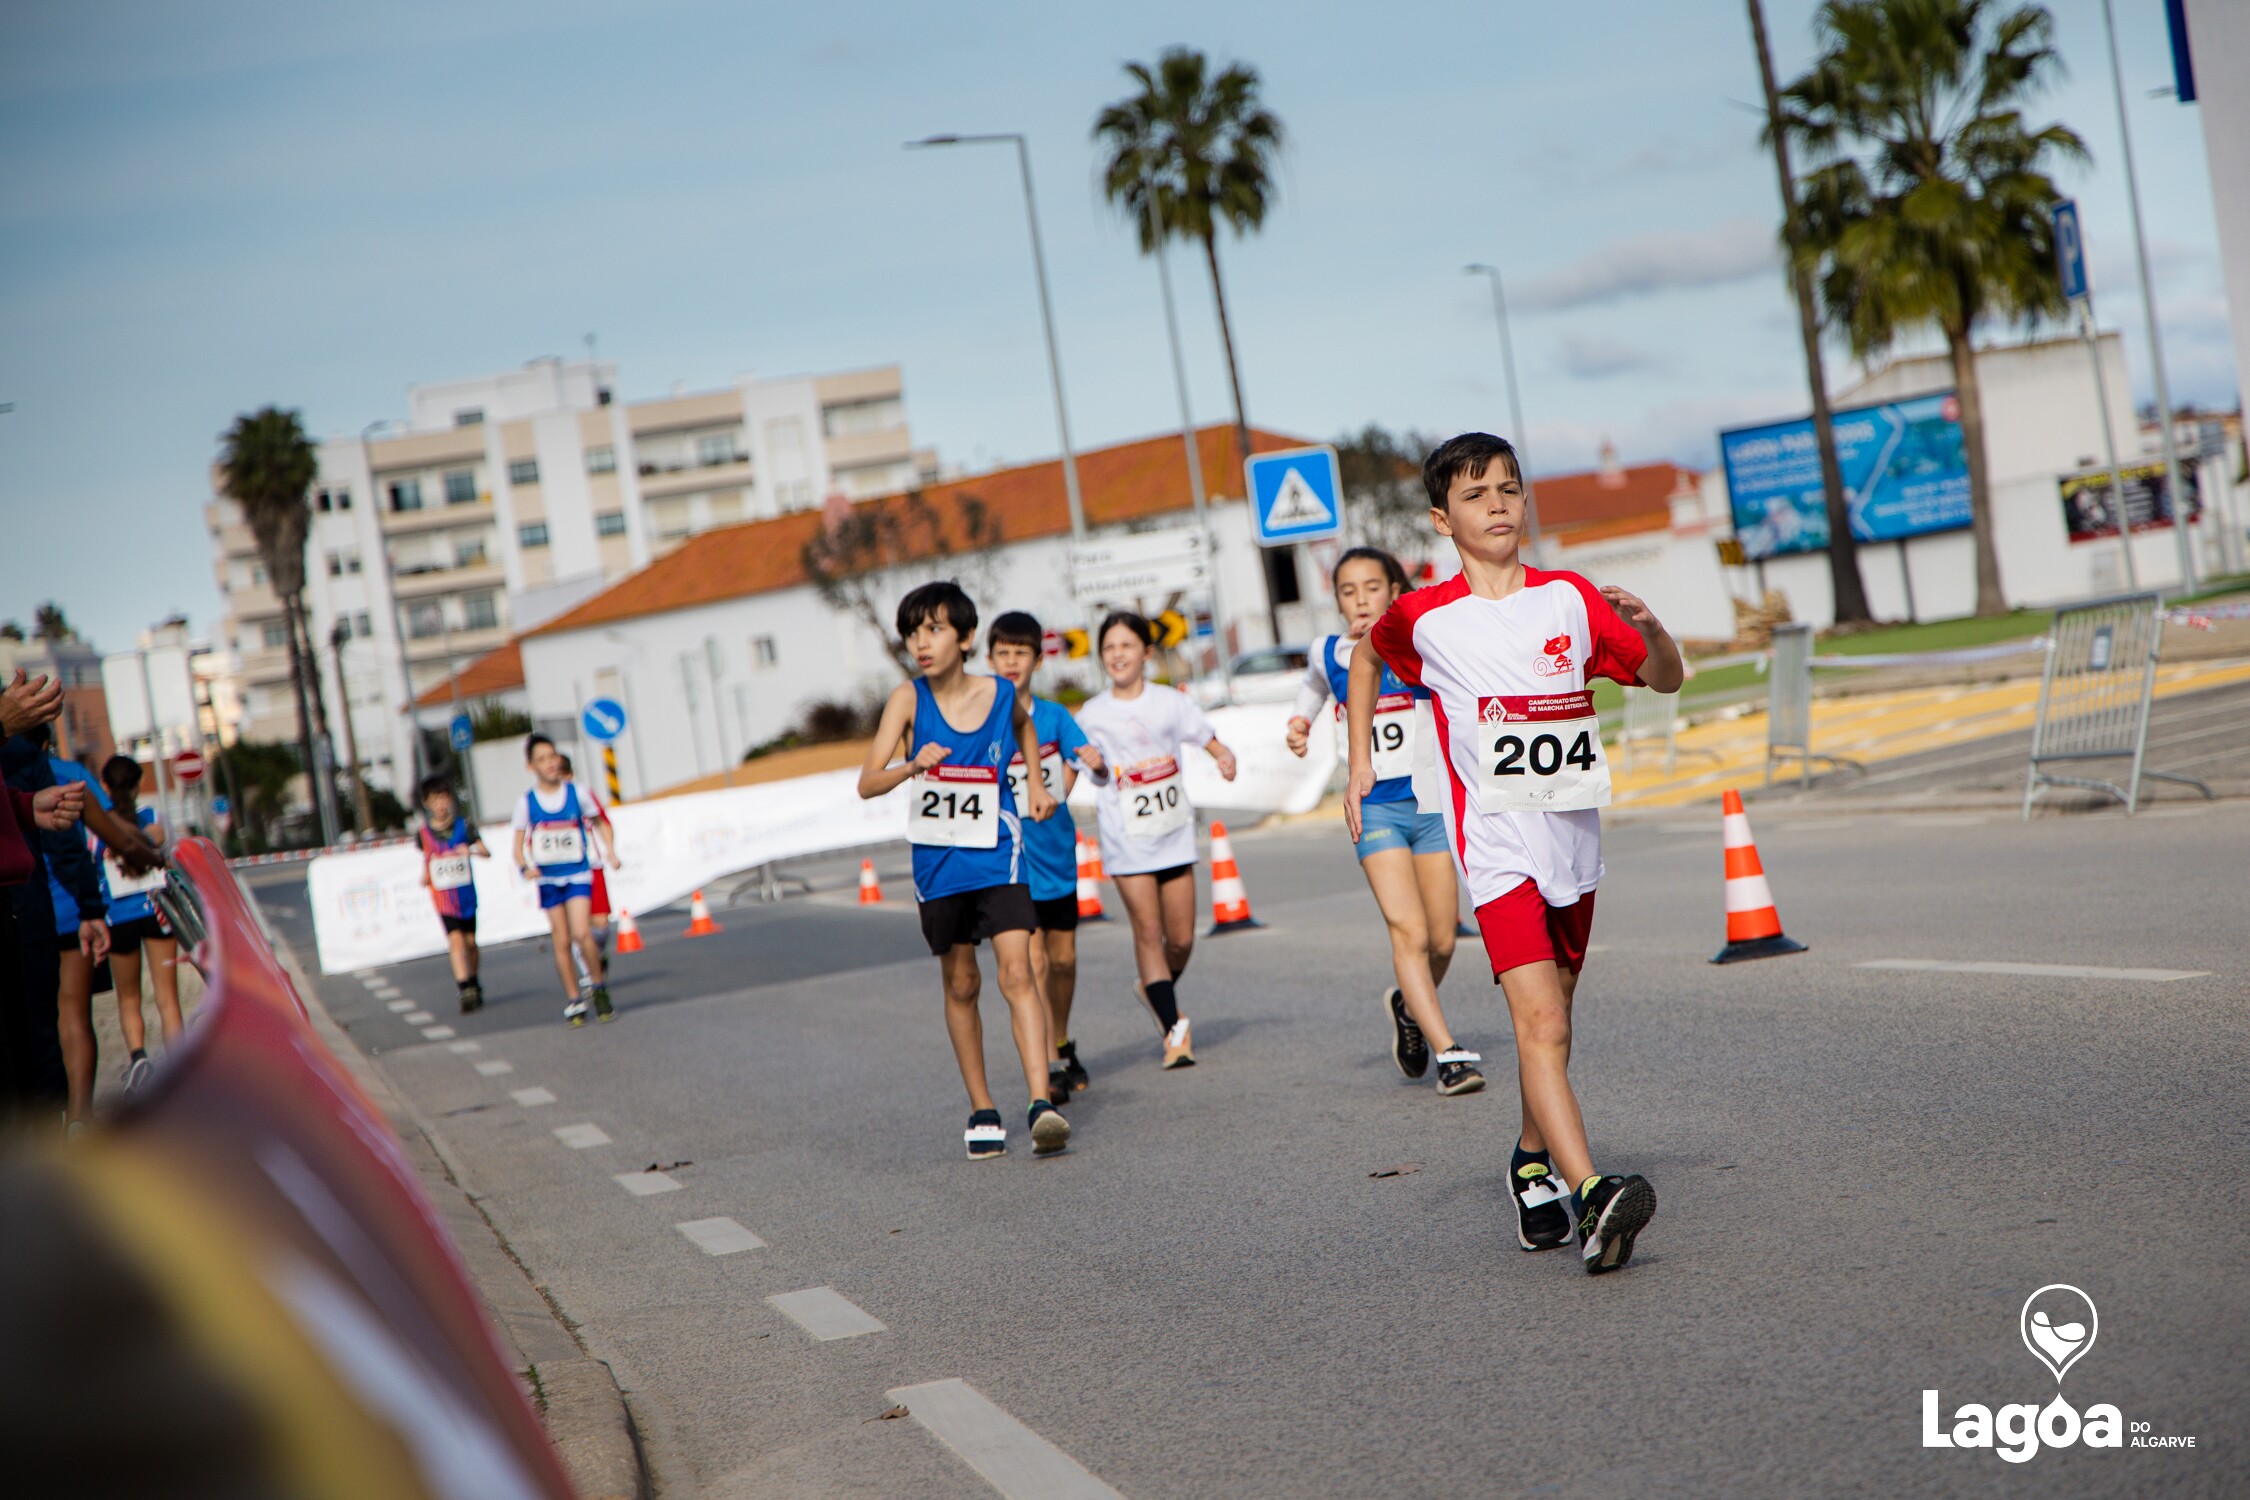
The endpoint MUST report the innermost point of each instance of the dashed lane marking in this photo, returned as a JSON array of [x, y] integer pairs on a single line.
[[400, 1007], [2037, 971], [437, 1033], [719, 1236], [494, 1067], [826, 1313], [418, 1018], [463, 1049], [532, 1097], [580, 1137], [1013, 1459], [647, 1184]]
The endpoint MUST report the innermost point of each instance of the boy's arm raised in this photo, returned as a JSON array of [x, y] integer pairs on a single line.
[[1663, 670], [877, 775]]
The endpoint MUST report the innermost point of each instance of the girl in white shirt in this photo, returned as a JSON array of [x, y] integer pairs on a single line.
[[1147, 823]]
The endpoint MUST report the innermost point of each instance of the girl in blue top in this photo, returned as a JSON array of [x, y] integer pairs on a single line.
[[959, 732], [137, 928], [1402, 850], [552, 826]]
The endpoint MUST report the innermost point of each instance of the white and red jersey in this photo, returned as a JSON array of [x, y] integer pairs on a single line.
[[1505, 677]]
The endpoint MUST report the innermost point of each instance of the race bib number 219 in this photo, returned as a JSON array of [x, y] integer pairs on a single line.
[[1540, 753]]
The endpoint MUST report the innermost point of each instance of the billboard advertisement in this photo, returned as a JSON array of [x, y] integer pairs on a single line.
[[1905, 474], [2089, 513]]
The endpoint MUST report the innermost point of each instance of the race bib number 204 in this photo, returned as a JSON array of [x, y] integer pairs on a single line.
[[1540, 753]]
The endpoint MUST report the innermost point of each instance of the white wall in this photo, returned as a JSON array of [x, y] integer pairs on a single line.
[[822, 654], [1677, 574]]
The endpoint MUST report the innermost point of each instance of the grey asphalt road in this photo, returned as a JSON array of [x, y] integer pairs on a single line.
[[1863, 1173]]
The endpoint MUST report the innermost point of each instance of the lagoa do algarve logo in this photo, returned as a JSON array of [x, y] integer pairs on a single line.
[[2059, 1324]]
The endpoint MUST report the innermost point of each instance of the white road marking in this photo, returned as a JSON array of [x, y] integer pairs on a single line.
[[418, 1018], [463, 1049], [1013, 1459], [579, 1137], [529, 1097], [438, 1033], [2037, 971], [647, 1184], [719, 1236], [493, 1068], [826, 1313], [398, 1007]]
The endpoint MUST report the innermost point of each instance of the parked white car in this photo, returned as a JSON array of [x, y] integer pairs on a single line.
[[1267, 675]]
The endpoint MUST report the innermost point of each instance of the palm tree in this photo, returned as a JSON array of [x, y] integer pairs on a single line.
[[266, 465], [1928, 201], [1206, 148]]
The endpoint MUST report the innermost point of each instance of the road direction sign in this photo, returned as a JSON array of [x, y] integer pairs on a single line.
[[2070, 249], [188, 766], [603, 719], [460, 734], [220, 807], [1141, 565], [1295, 496]]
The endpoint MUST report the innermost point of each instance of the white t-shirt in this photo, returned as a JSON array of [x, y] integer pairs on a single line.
[[1545, 642], [1137, 737]]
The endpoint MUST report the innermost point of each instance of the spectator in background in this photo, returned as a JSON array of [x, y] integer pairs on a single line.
[[137, 930], [81, 899], [24, 705]]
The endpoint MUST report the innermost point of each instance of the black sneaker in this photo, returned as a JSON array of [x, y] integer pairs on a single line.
[[1076, 1069], [1457, 1071], [1050, 1132], [472, 997], [1058, 1084], [986, 1136], [603, 1011], [1610, 1215], [1409, 1048], [1542, 1207]]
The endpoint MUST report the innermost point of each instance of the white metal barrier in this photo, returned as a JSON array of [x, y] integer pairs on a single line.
[[1650, 716], [2094, 696]]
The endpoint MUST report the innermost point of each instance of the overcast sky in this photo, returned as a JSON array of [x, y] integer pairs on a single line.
[[207, 208]]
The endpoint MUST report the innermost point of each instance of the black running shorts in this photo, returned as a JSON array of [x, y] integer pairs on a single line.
[[467, 924], [969, 917], [1059, 914]]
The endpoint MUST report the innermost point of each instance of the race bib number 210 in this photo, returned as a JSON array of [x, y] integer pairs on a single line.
[[1540, 753]]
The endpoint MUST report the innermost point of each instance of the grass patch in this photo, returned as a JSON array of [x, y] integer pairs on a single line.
[[1943, 635]]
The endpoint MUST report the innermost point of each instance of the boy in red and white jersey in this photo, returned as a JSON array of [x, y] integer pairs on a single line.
[[1507, 653]]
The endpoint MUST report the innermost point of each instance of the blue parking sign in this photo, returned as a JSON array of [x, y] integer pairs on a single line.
[[1295, 496]]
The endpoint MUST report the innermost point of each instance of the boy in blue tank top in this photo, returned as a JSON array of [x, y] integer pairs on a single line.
[[958, 732], [1014, 644], [553, 825]]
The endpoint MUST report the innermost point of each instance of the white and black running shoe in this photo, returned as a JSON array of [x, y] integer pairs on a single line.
[[1457, 1071], [137, 1076], [986, 1136], [575, 1012], [1409, 1048], [1542, 1207], [1050, 1132], [1610, 1215]]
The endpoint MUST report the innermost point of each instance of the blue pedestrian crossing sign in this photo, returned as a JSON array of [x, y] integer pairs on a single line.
[[460, 734], [1295, 496], [603, 719]]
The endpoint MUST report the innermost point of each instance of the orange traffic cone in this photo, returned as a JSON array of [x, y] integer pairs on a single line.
[[1230, 902], [870, 889], [699, 919], [628, 932], [1090, 881], [1753, 925]]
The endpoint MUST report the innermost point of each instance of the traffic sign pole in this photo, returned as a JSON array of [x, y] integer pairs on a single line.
[[2070, 257]]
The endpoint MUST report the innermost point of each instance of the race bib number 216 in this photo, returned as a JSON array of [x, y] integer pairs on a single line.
[[1540, 753]]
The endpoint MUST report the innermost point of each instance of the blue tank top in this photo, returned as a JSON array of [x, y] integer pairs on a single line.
[[571, 814], [1394, 788], [133, 905], [940, 870]]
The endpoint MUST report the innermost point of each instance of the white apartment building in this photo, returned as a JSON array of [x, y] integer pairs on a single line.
[[499, 502]]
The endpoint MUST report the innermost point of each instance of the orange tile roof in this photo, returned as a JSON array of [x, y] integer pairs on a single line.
[[1597, 497], [1124, 482], [496, 671]]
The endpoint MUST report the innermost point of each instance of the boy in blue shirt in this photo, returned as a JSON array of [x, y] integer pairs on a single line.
[[1015, 645]]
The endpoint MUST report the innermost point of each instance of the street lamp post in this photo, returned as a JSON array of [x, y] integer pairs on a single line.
[[2180, 535], [1515, 407], [1046, 311], [1187, 440]]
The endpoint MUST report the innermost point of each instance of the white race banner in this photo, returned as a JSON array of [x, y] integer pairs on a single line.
[[370, 908]]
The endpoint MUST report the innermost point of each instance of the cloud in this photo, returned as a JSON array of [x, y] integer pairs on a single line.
[[1592, 357], [1736, 250]]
